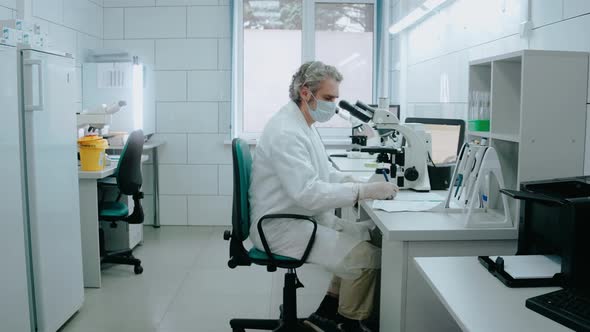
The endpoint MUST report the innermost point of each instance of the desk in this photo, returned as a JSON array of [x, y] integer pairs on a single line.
[[89, 226], [424, 234], [477, 301], [421, 234], [153, 146]]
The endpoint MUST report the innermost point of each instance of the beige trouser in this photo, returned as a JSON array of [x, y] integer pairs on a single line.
[[356, 296]]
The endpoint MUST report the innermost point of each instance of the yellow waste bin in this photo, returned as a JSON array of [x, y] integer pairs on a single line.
[[92, 152]]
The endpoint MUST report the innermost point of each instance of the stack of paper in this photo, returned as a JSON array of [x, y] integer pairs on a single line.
[[410, 201], [531, 266], [401, 206]]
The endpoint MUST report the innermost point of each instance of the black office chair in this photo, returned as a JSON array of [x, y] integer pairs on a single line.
[[239, 256], [129, 181]]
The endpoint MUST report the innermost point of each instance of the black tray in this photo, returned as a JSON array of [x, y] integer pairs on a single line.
[[497, 270]]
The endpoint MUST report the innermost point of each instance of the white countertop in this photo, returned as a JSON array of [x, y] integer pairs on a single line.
[[431, 226], [480, 302], [151, 144], [353, 165]]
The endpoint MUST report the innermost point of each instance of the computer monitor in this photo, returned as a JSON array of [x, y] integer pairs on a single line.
[[447, 135]]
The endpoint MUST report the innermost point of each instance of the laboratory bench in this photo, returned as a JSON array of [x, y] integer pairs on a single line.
[[407, 235]]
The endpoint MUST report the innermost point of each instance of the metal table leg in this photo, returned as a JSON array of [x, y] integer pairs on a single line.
[[156, 188]]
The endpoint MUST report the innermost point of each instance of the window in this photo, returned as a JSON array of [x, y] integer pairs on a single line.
[[274, 37]]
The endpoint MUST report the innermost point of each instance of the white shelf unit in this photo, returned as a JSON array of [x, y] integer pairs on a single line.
[[537, 115]]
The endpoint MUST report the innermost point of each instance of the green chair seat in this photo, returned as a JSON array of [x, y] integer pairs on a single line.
[[259, 255], [114, 210]]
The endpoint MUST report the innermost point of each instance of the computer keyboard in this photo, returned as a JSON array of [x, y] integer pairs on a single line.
[[567, 307]]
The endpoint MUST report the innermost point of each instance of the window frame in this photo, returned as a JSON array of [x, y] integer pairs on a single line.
[[336, 136]]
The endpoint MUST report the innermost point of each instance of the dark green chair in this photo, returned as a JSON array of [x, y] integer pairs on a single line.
[[129, 181], [239, 256]]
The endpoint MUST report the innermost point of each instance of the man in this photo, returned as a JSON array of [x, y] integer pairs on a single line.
[[291, 173]]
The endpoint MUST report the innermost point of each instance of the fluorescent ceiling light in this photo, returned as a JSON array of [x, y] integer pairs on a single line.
[[416, 15]]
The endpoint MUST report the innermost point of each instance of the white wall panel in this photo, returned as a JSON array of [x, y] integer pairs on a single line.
[[175, 149], [171, 85], [188, 180], [50, 10], [573, 8], [209, 22], [209, 86], [152, 22], [129, 3], [186, 54], [181, 117], [570, 35], [209, 210], [545, 12], [173, 210], [208, 149], [113, 26], [226, 185], [84, 16]]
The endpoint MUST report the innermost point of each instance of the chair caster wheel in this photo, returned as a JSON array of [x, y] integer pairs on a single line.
[[138, 269]]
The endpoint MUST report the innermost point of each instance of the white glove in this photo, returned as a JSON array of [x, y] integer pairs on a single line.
[[377, 190]]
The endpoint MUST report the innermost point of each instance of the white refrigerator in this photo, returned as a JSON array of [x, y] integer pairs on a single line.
[[38, 148]]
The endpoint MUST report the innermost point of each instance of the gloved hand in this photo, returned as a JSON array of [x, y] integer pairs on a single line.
[[377, 190]]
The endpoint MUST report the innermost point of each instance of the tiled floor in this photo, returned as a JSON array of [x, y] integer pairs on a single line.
[[187, 286]]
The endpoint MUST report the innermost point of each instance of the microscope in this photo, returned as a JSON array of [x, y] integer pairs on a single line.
[[98, 121], [403, 152]]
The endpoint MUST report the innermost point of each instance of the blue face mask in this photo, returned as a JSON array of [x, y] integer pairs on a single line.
[[324, 110]]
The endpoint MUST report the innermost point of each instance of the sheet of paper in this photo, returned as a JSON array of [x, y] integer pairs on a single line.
[[401, 206], [531, 266], [407, 195]]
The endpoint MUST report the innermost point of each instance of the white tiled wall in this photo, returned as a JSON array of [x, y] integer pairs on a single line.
[[9, 4], [172, 85], [188, 43], [186, 54], [6, 12], [209, 210], [174, 210], [209, 85], [439, 48], [573, 8], [155, 22], [179, 117]]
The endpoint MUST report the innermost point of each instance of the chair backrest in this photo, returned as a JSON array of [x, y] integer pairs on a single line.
[[129, 179], [242, 166]]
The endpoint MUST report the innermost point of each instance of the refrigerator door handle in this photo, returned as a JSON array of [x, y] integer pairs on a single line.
[[29, 104]]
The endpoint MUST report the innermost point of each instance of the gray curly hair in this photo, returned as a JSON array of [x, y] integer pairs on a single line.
[[310, 74]]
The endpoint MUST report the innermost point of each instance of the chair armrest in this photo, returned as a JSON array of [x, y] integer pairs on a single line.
[[310, 242]]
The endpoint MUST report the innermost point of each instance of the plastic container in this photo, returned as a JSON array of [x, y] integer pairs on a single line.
[[92, 153], [479, 125]]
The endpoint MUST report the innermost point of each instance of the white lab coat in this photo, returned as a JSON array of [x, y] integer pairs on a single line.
[[291, 173]]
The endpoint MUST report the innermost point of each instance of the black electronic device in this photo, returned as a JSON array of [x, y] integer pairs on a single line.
[[364, 107], [554, 221], [440, 176], [357, 112], [568, 307], [445, 135]]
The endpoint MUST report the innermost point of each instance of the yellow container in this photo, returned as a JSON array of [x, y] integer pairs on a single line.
[[92, 153]]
